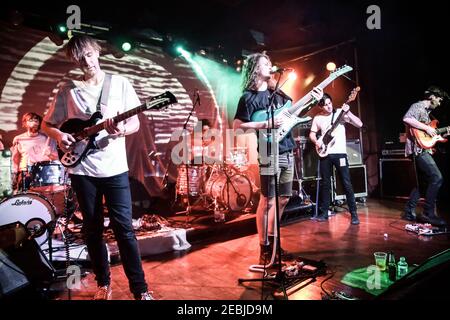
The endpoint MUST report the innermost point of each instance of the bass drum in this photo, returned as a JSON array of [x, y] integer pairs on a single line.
[[33, 210], [235, 193]]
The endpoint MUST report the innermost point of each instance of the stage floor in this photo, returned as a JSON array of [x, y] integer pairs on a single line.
[[210, 269]]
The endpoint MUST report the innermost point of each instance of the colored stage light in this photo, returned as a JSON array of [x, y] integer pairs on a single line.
[[292, 75], [331, 66]]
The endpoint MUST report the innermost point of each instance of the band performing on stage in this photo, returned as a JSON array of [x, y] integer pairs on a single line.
[[122, 141]]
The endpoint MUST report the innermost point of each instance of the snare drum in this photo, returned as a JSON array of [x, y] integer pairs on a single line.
[[48, 176]]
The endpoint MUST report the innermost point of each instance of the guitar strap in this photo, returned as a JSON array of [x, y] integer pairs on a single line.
[[332, 117], [104, 94]]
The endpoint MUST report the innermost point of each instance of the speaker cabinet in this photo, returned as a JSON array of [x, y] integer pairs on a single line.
[[22, 261], [354, 154], [358, 177], [397, 177]]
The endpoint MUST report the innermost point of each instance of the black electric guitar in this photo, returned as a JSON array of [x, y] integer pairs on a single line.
[[327, 138], [85, 131]]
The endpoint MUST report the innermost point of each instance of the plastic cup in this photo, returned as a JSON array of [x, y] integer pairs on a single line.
[[380, 260]]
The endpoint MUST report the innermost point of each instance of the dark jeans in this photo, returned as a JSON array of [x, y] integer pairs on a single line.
[[326, 170], [116, 190], [425, 167]]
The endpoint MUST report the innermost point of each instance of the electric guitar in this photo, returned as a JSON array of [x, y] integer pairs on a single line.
[[290, 113], [327, 137], [85, 131], [424, 140]]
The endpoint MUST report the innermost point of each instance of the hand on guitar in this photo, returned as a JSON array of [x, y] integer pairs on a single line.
[[431, 131], [65, 141], [319, 144], [114, 128], [317, 93], [278, 122]]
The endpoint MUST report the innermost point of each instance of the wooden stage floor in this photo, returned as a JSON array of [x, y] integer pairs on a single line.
[[210, 269]]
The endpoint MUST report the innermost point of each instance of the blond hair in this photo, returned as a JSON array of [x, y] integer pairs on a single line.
[[77, 44]]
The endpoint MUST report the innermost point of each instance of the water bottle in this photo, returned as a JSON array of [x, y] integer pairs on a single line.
[[402, 267], [392, 267]]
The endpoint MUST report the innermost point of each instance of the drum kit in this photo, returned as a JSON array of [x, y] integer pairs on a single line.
[[44, 196], [226, 184]]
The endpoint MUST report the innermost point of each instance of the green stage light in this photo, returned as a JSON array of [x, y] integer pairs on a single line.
[[62, 28], [126, 46]]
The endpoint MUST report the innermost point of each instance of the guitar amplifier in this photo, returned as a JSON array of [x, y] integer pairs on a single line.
[[397, 177], [358, 177], [354, 153]]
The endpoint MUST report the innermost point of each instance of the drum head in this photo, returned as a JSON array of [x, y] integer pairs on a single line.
[[235, 193], [31, 209]]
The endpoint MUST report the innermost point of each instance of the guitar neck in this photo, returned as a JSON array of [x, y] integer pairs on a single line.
[[443, 130], [302, 103], [123, 116]]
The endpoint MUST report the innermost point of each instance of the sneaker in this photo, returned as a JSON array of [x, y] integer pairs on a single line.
[[103, 293], [355, 219], [146, 296], [409, 216]]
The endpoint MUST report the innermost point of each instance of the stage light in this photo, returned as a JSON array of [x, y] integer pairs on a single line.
[[331, 66], [126, 46], [238, 69], [62, 28], [292, 75]]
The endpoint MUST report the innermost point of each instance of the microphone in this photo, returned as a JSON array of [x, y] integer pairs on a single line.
[[281, 70]]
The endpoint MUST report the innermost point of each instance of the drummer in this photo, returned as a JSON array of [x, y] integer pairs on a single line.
[[29, 148], [204, 148]]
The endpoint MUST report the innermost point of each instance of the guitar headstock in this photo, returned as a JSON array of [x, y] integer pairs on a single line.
[[353, 94], [340, 71], [160, 101]]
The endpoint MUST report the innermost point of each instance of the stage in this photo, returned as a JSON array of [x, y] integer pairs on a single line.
[[222, 253]]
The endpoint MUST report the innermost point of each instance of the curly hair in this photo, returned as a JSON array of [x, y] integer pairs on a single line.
[[250, 70]]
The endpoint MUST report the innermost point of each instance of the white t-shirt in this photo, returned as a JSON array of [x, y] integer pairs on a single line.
[[27, 150], [78, 100], [321, 123]]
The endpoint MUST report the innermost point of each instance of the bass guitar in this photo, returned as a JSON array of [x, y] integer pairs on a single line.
[[327, 137], [290, 113], [85, 131]]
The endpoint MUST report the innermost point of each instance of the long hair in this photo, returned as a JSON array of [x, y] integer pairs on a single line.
[[77, 44], [250, 70]]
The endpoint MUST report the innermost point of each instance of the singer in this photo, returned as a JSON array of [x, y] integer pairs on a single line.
[[257, 85]]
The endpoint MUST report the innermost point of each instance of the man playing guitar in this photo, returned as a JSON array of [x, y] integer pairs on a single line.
[[418, 118], [336, 153]]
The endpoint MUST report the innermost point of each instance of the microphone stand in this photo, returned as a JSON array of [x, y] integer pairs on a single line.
[[186, 165], [280, 276]]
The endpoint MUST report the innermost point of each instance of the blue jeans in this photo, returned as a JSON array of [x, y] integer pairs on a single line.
[[326, 167], [425, 167], [116, 190]]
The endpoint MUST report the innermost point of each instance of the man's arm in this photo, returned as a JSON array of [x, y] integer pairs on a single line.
[[419, 125], [313, 134], [64, 140], [350, 117], [239, 124]]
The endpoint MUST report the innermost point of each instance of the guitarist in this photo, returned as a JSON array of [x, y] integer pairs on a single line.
[[103, 173], [337, 155], [257, 85], [418, 116]]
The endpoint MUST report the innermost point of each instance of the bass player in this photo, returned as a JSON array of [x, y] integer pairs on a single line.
[[336, 153]]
